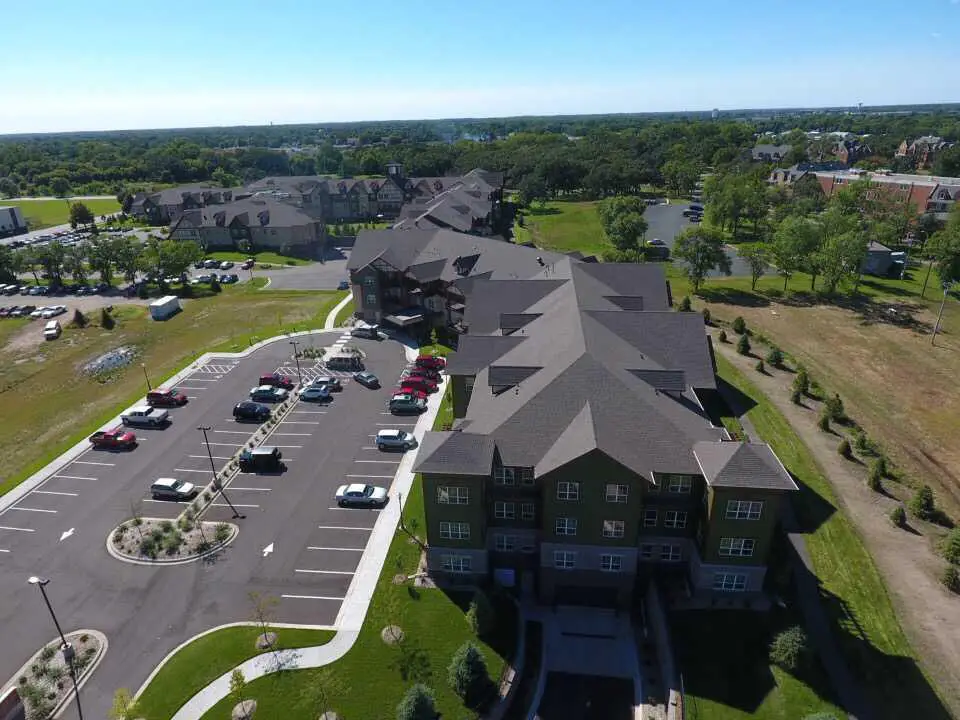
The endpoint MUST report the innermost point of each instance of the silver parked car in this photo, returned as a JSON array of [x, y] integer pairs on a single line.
[[395, 440], [361, 495]]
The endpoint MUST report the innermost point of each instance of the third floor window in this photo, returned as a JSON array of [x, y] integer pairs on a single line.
[[527, 511], [616, 493], [675, 519], [568, 491], [744, 509], [613, 528], [453, 495], [566, 526], [679, 484], [504, 510]]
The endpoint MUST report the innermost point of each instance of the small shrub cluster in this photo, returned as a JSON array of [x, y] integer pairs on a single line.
[[739, 325], [898, 516], [843, 449], [950, 547], [789, 648], [706, 316], [923, 505], [722, 336], [823, 420], [801, 382], [950, 578], [834, 407], [775, 357], [761, 368], [743, 345], [685, 304]]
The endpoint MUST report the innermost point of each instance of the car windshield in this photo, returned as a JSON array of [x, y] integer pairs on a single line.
[[177, 484]]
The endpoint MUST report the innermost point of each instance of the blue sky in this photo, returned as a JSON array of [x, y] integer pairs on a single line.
[[95, 65]]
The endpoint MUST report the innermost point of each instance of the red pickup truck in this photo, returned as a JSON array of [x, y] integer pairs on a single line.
[[166, 398], [114, 439]]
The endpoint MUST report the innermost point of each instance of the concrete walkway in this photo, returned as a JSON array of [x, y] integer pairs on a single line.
[[359, 594], [330, 322], [808, 597]]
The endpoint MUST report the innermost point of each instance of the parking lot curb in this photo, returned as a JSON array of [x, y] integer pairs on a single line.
[[116, 555]]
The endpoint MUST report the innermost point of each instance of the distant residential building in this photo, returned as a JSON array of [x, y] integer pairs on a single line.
[[923, 193], [166, 206], [11, 221], [923, 151], [848, 151], [800, 171], [465, 210], [770, 153]]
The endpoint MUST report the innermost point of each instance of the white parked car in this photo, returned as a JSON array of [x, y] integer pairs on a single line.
[[361, 495], [39, 311], [53, 311]]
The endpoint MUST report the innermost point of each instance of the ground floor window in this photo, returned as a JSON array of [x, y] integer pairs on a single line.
[[729, 582], [611, 563], [564, 559], [670, 553], [505, 543], [455, 563], [646, 552]]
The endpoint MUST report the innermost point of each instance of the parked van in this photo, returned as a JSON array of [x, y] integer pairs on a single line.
[[344, 361], [52, 330]]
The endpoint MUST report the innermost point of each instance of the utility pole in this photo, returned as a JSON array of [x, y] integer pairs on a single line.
[[936, 328], [65, 647], [143, 366], [216, 482], [296, 357]]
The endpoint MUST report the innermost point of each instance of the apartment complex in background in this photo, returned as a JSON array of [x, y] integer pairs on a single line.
[[11, 221], [923, 151], [582, 462], [922, 193]]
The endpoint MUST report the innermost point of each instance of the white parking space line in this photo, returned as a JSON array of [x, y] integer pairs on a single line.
[[315, 547], [390, 425], [90, 462], [369, 447], [234, 487], [16, 529], [284, 447], [189, 470], [346, 509], [233, 445], [324, 572], [299, 422], [3, 551], [54, 492], [191, 397], [369, 476], [383, 462], [233, 432], [292, 434], [186, 387], [200, 379], [74, 477], [167, 502], [26, 509], [311, 597], [308, 412], [343, 527], [234, 505], [215, 457]]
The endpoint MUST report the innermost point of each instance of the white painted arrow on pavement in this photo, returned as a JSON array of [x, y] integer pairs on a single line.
[[268, 549], [65, 535]]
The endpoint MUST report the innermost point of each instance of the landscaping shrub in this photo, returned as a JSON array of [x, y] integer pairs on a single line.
[[148, 547], [172, 542], [881, 463], [739, 325], [922, 504], [706, 316], [142, 291], [876, 471], [467, 674], [834, 406], [417, 704], [215, 285], [843, 449], [860, 441], [761, 368], [106, 320], [898, 516], [685, 304], [874, 482], [823, 421], [47, 653], [801, 381], [950, 547], [796, 397], [743, 345], [222, 532], [722, 336], [950, 578], [789, 648], [166, 526], [79, 319], [480, 615], [775, 357]]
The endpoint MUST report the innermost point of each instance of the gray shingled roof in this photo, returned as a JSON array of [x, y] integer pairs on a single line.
[[249, 212], [742, 465], [463, 453], [475, 352]]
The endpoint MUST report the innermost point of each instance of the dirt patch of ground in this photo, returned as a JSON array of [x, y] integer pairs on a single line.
[[905, 558]]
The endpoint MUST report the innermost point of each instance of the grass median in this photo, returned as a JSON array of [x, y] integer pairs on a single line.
[[207, 658], [48, 403], [263, 258]]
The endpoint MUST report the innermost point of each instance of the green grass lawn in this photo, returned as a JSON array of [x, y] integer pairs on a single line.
[[723, 657], [207, 658], [368, 681], [40, 214], [45, 411], [565, 227], [852, 591], [262, 258], [345, 312]]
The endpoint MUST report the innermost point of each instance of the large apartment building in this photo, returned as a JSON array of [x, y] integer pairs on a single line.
[[582, 462], [922, 193]]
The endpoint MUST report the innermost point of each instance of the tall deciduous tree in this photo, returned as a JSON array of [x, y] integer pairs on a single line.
[[51, 257], [757, 256], [701, 250], [170, 258], [681, 176], [80, 214], [127, 254], [793, 242]]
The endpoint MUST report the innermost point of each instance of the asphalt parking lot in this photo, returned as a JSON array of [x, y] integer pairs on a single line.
[[59, 529], [325, 275], [666, 222]]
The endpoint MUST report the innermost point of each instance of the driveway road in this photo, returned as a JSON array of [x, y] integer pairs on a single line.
[[666, 222], [325, 275], [146, 611]]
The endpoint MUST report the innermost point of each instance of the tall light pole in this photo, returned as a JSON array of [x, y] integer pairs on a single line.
[[143, 366], [216, 482], [296, 357], [936, 328], [65, 647]]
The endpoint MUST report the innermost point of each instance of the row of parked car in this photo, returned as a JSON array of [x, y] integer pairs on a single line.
[[44, 311], [416, 383], [212, 264]]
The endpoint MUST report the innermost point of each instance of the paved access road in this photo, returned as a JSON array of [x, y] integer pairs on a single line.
[[325, 275], [59, 530], [666, 222]]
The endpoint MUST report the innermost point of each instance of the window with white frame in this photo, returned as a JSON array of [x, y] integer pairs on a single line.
[[744, 509], [613, 528], [616, 493], [527, 511], [454, 495], [455, 563], [646, 552], [670, 553], [679, 484], [611, 563], [505, 543], [568, 491], [369, 281], [524, 475], [676, 519], [566, 526], [564, 559], [371, 298], [649, 518], [504, 510], [504, 476], [455, 530], [729, 582], [737, 547]]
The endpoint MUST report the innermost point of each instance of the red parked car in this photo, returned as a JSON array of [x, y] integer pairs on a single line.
[[405, 389], [428, 373], [434, 362], [419, 383], [277, 380], [117, 438], [166, 398]]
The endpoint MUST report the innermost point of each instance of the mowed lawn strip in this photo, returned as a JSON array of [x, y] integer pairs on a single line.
[[345, 312], [207, 658], [368, 679], [41, 214], [565, 227], [265, 257], [48, 404], [864, 621]]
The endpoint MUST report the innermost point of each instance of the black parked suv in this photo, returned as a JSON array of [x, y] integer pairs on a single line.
[[250, 411]]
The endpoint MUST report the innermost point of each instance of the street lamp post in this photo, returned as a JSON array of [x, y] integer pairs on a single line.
[[65, 647], [296, 357], [936, 328], [143, 366], [216, 482]]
